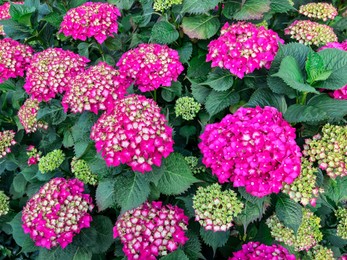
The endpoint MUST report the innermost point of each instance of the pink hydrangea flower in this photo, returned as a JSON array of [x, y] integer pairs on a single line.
[[151, 230], [27, 116], [243, 47], [14, 59], [257, 251], [50, 71], [6, 141], [133, 133], [33, 154], [98, 20], [94, 89], [254, 148], [57, 212], [151, 66]]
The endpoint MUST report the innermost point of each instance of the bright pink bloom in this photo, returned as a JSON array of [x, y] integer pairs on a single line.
[[151, 230], [151, 66], [57, 212], [254, 148], [98, 20], [27, 116], [133, 133], [243, 47]]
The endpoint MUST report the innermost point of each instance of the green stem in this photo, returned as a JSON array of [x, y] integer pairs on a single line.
[[155, 95], [302, 100]]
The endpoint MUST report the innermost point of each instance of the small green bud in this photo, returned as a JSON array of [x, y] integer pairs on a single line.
[[4, 204], [187, 107], [82, 171], [162, 5], [51, 161], [341, 215]]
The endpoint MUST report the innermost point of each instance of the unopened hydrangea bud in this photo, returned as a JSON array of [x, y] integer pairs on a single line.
[[322, 11], [341, 215], [81, 170], [27, 116], [320, 252], [215, 209], [162, 5], [6, 141], [4, 204], [34, 155], [51, 161], [193, 162], [187, 107], [311, 33]]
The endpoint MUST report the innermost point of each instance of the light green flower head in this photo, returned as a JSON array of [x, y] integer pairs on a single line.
[[162, 5], [187, 107], [341, 215], [320, 252], [4, 204], [82, 171], [51, 161]]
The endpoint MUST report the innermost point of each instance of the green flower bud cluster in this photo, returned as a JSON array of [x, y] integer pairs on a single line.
[[82, 171], [329, 150], [304, 189], [187, 107], [320, 252], [263, 23], [192, 162], [4, 204], [215, 209], [341, 215], [162, 5], [51, 161], [322, 11], [308, 234]]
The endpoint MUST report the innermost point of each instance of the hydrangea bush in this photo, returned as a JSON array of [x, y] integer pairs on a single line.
[[173, 129]]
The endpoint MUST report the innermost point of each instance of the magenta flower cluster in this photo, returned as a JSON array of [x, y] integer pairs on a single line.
[[98, 20], [27, 116], [133, 133], [243, 47], [94, 89], [150, 66], [254, 148], [151, 230], [14, 59], [57, 212], [50, 72], [257, 251]]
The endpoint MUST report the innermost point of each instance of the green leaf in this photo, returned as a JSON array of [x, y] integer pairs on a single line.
[[214, 239], [177, 177], [198, 67], [105, 194], [192, 247], [200, 93], [8, 85], [22, 13], [265, 97], [54, 113], [217, 101], [219, 80], [252, 10], [336, 189], [170, 93], [315, 68], [83, 49], [303, 113], [200, 27], [15, 30], [164, 32], [289, 212], [122, 4], [334, 108], [251, 212], [187, 131], [176, 255], [331, 236], [104, 234], [54, 19], [281, 6], [75, 3], [185, 52], [199, 6], [19, 183]]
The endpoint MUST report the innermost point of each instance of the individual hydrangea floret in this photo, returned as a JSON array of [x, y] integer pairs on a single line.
[[27, 116], [255, 250], [57, 212], [187, 107], [51, 71], [150, 66], [133, 133], [34, 155], [308, 234], [81, 170], [151, 230], [14, 59], [243, 47], [162, 5], [304, 189], [341, 215], [94, 89], [4, 204], [51, 161], [310, 33], [322, 11], [91, 19], [254, 148], [215, 209], [329, 150], [6, 141], [320, 252]]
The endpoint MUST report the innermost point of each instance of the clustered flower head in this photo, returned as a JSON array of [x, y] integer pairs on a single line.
[[81, 170], [133, 133], [193, 163], [51, 71], [304, 189], [308, 234], [162, 5], [150, 66], [93, 89], [256, 250], [151, 230], [243, 47], [98, 20], [320, 252], [57, 212], [27, 116], [341, 215], [4, 204], [14, 59], [51, 161], [322, 11], [187, 107], [310, 33], [329, 150], [33, 154], [215, 209], [6, 141], [254, 148]]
